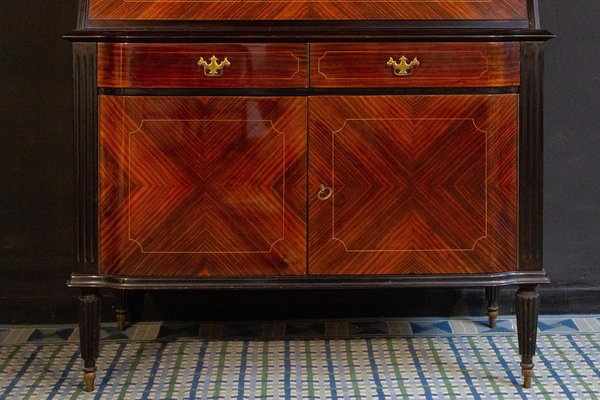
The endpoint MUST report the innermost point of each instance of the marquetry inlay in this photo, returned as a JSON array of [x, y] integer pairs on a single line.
[[283, 57], [203, 179], [436, 168], [478, 63]]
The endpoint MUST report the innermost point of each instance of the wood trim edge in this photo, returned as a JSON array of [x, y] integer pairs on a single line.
[[310, 282]]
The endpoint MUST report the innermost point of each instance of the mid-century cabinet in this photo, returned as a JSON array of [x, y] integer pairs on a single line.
[[308, 144]]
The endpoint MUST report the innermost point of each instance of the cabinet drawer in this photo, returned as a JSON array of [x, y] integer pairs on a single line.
[[137, 65], [414, 64]]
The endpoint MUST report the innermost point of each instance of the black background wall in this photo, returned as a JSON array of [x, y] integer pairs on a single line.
[[36, 185]]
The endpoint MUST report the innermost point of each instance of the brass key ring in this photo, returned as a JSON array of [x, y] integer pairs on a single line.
[[325, 192]]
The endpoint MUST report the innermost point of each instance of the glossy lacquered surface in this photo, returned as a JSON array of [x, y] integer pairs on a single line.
[[365, 65], [201, 186], [252, 65], [421, 184], [306, 10]]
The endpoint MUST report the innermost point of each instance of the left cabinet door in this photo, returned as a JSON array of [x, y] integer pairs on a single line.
[[202, 186]]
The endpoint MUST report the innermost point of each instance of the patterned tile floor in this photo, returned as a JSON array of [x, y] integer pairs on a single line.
[[365, 359]]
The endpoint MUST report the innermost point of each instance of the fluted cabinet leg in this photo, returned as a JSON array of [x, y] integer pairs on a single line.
[[89, 334], [527, 305], [121, 308], [491, 295]]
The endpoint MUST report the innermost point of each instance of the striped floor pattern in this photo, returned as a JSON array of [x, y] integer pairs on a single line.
[[432, 359]]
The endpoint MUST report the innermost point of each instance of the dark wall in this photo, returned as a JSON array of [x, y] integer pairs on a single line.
[[36, 169], [572, 147], [35, 158]]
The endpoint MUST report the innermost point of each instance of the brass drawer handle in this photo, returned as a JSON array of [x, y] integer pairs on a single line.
[[403, 68], [325, 192], [214, 69]]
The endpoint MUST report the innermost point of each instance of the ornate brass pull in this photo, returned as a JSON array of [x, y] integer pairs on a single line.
[[325, 192], [403, 68], [214, 69]]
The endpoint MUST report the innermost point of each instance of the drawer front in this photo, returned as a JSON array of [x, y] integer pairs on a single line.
[[414, 64], [412, 184], [202, 186], [136, 65]]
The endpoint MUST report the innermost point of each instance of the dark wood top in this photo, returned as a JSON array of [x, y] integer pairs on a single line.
[[308, 32]]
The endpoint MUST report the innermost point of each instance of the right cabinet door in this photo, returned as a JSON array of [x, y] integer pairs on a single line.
[[413, 184]]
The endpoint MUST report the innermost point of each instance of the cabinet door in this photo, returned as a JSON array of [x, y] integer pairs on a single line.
[[419, 184], [202, 186]]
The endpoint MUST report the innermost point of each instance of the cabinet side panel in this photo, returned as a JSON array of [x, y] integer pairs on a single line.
[[86, 157]]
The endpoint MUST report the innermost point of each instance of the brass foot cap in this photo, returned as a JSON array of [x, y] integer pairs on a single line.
[[121, 320], [493, 317], [527, 376], [89, 378]]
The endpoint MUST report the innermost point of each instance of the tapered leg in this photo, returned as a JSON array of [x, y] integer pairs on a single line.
[[121, 308], [526, 305], [491, 294], [89, 334]]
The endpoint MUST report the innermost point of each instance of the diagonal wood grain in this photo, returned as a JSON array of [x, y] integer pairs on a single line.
[[199, 186], [421, 184], [307, 10]]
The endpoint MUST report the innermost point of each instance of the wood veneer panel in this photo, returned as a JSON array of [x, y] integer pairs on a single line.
[[421, 184], [441, 64], [307, 10], [252, 65], [201, 186]]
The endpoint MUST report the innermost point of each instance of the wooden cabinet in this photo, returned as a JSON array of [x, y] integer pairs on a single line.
[[330, 144]]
